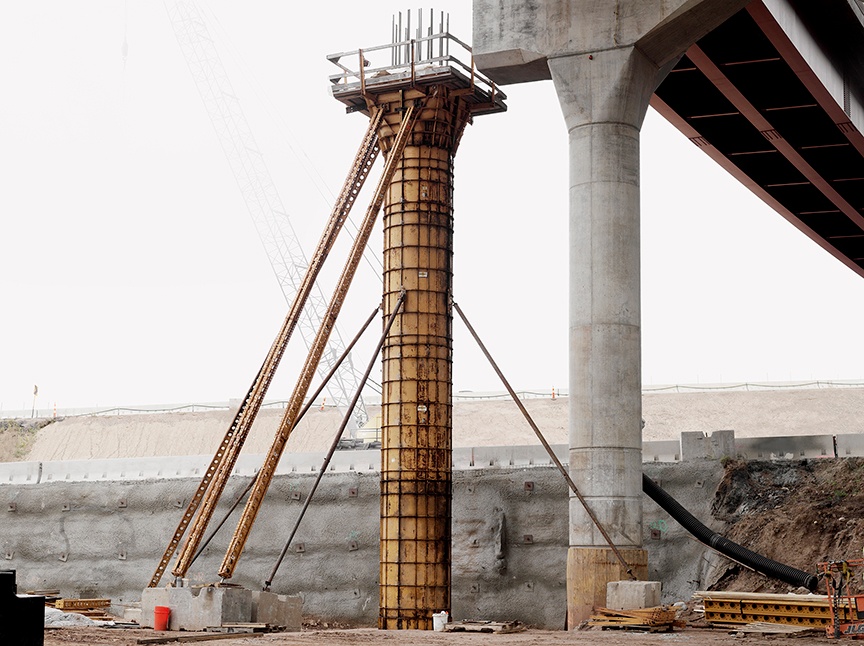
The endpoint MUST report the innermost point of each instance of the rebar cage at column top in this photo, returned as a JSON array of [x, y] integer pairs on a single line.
[[413, 63]]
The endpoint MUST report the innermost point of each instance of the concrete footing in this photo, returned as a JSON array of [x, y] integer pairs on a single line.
[[623, 595], [589, 570], [279, 609], [201, 608]]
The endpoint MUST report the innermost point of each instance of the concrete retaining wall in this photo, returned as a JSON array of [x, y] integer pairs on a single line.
[[103, 539], [97, 529]]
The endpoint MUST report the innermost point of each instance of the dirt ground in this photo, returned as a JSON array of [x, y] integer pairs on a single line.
[[372, 637], [17, 437], [797, 513]]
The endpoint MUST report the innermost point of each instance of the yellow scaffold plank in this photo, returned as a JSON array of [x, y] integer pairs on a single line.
[[748, 607]]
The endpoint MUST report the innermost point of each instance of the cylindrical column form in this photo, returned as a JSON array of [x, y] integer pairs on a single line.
[[604, 99], [416, 454]]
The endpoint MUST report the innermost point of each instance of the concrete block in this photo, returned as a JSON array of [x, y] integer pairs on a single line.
[[197, 608], [278, 609], [696, 445], [623, 595], [150, 598]]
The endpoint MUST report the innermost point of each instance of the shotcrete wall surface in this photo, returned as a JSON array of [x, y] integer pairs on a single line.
[[103, 539]]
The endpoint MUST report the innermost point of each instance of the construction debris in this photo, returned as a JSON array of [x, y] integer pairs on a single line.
[[168, 639], [657, 619], [91, 608], [246, 628], [497, 627], [763, 628]]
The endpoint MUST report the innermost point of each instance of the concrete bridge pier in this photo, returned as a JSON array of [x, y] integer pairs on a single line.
[[605, 60], [604, 98]]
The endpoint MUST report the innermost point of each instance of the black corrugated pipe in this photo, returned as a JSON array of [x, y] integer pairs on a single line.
[[723, 545]]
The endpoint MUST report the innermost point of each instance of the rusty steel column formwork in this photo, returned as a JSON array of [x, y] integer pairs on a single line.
[[416, 453]]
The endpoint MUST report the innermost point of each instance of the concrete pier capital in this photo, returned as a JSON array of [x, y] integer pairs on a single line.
[[613, 86], [513, 38]]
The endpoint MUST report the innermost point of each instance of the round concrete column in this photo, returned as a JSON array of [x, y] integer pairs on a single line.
[[604, 97]]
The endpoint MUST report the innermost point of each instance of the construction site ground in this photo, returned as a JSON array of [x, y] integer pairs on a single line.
[[373, 637]]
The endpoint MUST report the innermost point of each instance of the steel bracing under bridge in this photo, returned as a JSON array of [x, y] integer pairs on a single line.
[[774, 96]]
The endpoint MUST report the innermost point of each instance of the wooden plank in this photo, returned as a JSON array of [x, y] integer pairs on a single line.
[[764, 628], [759, 596], [196, 638], [655, 619], [497, 627]]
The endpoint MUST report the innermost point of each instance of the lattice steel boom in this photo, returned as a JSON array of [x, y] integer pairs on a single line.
[[215, 478], [259, 191]]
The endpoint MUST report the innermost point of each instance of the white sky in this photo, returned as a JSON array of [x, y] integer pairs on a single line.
[[130, 271]]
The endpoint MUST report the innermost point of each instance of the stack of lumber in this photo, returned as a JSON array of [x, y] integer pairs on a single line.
[[658, 619], [93, 608]]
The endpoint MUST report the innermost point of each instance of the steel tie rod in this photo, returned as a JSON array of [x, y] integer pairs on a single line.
[[302, 414], [336, 438], [545, 444]]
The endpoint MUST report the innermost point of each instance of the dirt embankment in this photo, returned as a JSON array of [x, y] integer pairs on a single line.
[[17, 437], [798, 513]]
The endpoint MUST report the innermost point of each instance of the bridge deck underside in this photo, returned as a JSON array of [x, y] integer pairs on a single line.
[[744, 95]]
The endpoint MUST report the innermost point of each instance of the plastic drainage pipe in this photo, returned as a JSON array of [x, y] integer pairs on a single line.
[[723, 545]]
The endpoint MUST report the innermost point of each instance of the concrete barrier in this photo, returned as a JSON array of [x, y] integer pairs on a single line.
[[788, 447], [20, 472], [693, 445], [661, 451], [850, 445], [186, 466], [696, 445]]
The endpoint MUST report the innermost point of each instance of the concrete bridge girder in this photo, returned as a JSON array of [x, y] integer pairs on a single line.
[[605, 59]]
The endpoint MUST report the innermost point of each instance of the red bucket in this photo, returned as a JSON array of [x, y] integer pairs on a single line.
[[160, 617]]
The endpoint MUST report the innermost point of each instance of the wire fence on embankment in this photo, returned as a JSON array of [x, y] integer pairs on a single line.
[[460, 396]]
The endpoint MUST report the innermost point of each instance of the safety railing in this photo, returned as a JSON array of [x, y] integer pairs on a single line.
[[413, 59]]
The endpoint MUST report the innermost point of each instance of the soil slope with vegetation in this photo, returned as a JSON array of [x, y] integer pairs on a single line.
[[799, 513]]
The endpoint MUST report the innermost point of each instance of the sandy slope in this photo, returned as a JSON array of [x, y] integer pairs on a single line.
[[475, 423]]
